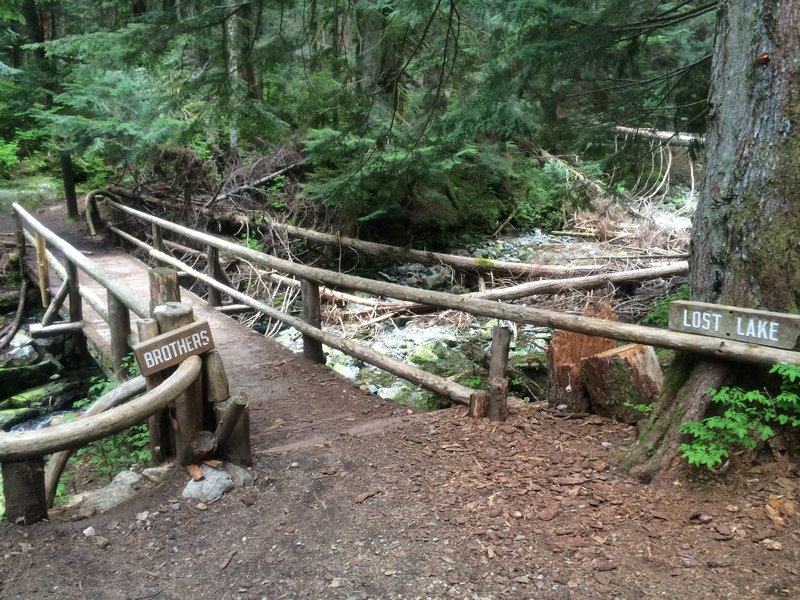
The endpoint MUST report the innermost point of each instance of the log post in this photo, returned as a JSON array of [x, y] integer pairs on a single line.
[[44, 272], [158, 424], [478, 403], [20, 236], [312, 349], [24, 491], [498, 384], [158, 238], [120, 325], [163, 287], [75, 302], [212, 270], [234, 446], [188, 407]]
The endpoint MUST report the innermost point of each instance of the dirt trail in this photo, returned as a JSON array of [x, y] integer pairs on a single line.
[[354, 498]]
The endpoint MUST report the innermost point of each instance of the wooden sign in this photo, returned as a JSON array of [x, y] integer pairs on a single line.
[[171, 348], [778, 330]]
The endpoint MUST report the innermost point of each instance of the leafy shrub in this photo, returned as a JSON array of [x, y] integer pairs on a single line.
[[659, 313], [748, 418], [8, 157]]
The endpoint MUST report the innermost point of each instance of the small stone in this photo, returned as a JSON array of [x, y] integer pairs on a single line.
[[336, 582], [102, 541], [606, 444], [175, 505], [771, 544], [390, 572], [688, 562], [700, 519], [561, 407], [523, 579], [605, 565], [89, 532], [719, 563], [142, 516], [294, 465], [201, 506]]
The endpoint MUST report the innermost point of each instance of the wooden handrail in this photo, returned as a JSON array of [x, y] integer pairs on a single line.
[[722, 349], [17, 446], [125, 295]]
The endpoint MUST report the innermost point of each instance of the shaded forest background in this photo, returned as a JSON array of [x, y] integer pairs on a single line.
[[397, 119]]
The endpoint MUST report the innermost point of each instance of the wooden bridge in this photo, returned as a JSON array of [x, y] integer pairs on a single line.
[[103, 293]]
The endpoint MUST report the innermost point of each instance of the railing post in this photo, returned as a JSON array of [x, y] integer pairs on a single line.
[[120, 325], [212, 270], [75, 301], [20, 235], [163, 287], [312, 349], [158, 239], [44, 271], [158, 424], [189, 405], [24, 491], [498, 384]]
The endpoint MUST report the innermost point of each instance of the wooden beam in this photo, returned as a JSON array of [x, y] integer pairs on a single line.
[[54, 329]]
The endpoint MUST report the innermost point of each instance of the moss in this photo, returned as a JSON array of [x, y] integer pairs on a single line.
[[484, 263]]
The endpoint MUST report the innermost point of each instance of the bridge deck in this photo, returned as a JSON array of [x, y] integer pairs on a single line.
[[293, 402]]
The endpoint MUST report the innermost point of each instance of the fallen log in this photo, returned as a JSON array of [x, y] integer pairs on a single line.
[[427, 257], [555, 286], [666, 137]]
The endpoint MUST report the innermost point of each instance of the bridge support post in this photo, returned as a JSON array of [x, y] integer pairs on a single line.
[[212, 270], [312, 349], [24, 491], [75, 306], [120, 325], [44, 271], [163, 287], [158, 427], [188, 415]]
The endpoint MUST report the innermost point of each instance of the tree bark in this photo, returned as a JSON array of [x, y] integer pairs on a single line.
[[745, 231]]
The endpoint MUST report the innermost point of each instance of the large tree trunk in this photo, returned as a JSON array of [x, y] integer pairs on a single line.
[[746, 231]]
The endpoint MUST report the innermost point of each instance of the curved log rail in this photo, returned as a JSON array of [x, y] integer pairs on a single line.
[[18, 446], [718, 348]]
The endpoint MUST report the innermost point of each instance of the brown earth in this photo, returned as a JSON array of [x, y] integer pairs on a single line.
[[355, 498]]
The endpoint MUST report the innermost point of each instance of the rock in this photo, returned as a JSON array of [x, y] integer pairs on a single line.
[[157, 474], [21, 356], [422, 355], [213, 485], [240, 476], [89, 532], [101, 541], [122, 488]]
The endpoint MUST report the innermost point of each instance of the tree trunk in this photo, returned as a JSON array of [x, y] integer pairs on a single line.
[[745, 230]]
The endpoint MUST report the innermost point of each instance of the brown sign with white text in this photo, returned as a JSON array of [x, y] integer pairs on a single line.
[[171, 348], [778, 330]]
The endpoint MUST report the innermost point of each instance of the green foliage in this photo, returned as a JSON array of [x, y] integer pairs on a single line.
[[251, 242], [475, 382], [747, 418], [659, 313], [8, 157]]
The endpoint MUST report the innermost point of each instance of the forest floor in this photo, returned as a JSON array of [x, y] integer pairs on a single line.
[[356, 497]]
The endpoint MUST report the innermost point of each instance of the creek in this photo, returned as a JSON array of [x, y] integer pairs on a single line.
[[455, 345]]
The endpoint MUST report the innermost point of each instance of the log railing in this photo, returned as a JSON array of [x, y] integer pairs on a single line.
[[119, 299], [722, 349], [25, 485]]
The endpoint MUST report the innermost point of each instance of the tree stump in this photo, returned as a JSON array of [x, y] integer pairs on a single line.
[[24, 492], [620, 379], [565, 352]]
